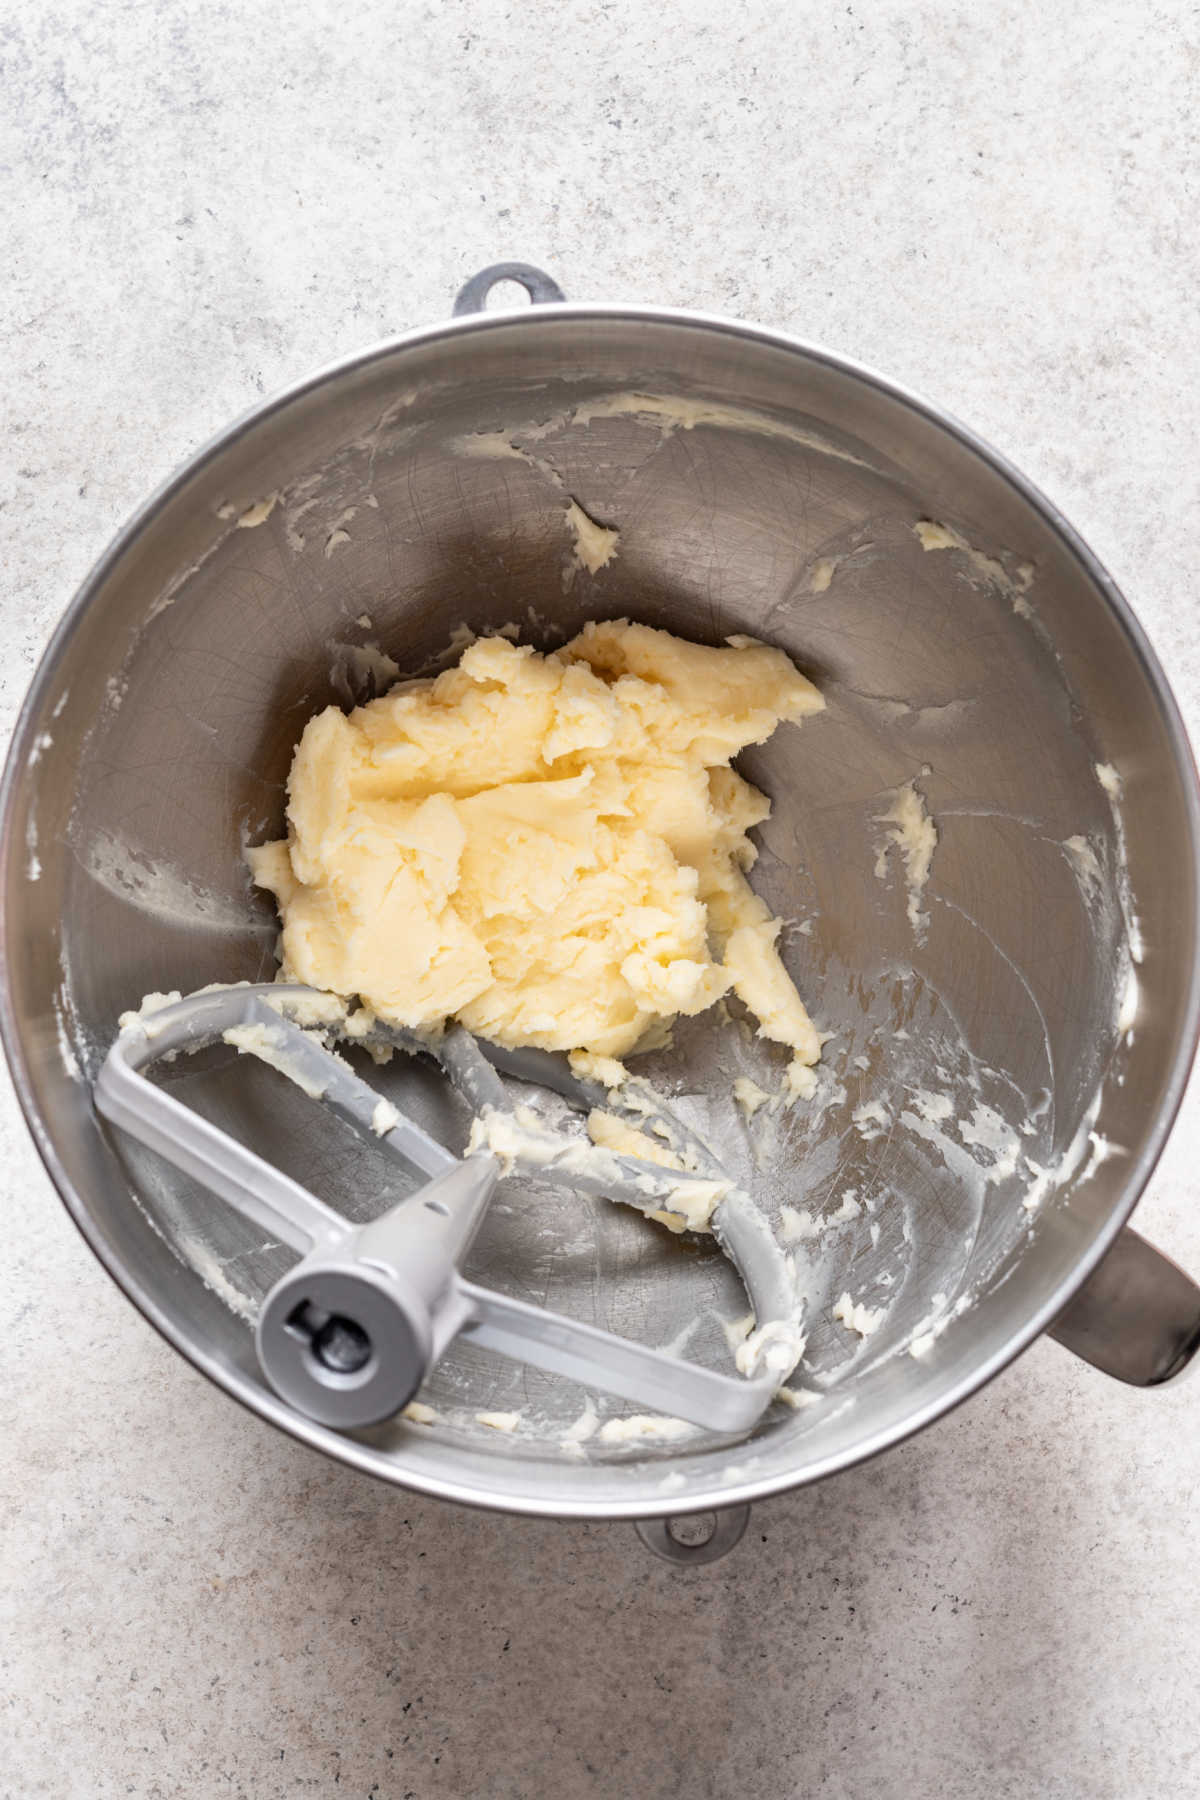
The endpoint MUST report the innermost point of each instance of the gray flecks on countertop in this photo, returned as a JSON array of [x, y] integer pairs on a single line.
[[202, 202]]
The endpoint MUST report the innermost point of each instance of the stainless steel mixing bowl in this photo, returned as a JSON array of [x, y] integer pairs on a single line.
[[762, 486]]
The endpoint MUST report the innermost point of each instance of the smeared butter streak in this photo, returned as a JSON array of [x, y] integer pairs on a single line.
[[737, 1330], [672, 413], [518, 1138], [857, 1317], [914, 835], [798, 1398], [932, 535], [872, 1119], [595, 544], [268, 1044], [258, 514], [775, 1347], [499, 1421], [610, 1132], [797, 1227], [417, 1413], [749, 1096], [1084, 861], [579, 1431], [151, 1003], [605, 1069], [385, 1118], [313, 1010], [644, 1425]]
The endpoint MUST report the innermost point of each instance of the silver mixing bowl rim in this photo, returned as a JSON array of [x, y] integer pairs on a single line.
[[361, 1455]]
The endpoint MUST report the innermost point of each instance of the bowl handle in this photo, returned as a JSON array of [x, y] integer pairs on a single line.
[[542, 289], [1136, 1317]]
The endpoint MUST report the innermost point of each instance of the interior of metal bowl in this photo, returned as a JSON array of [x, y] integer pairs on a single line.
[[1005, 1048]]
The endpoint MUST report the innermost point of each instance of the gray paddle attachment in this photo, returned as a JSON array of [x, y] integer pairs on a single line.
[[348, 1335]]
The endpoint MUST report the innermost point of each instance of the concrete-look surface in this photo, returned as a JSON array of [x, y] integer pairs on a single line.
[[996, 205]]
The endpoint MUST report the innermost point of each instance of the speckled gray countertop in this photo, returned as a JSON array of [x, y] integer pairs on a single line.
[[202, 201]]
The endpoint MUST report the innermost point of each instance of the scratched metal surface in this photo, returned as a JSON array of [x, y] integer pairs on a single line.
[[207, 646]]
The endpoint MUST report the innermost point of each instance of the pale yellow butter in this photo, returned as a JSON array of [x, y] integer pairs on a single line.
[[552, 849]]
